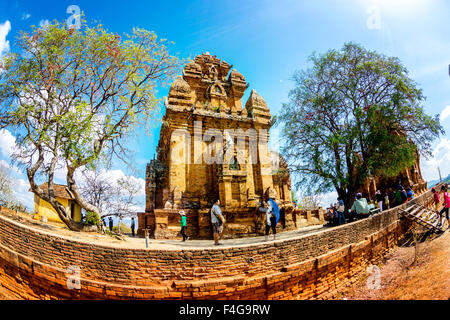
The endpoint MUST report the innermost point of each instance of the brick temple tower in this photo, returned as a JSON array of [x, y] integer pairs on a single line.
[[212, 146]]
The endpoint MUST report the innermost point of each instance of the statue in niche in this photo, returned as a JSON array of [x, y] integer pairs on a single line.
[[212, 72], [234, 164]]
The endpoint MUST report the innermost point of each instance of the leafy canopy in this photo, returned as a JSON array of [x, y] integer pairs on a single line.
[[353, 114], [72, 97]]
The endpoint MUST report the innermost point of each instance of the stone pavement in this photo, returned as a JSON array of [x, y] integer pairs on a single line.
[[227, 243]]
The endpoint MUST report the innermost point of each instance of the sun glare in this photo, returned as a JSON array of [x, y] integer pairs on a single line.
[[401, 6]]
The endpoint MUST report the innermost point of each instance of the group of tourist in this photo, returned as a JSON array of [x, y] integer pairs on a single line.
[[269, 207], [360, 209], [363, 207], [111, 225], [217, 222]]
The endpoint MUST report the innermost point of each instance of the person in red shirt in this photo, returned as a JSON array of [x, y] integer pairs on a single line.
[[446, 207], [436, 199]]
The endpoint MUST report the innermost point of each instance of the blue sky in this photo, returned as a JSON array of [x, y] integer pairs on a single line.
[[267, 41]]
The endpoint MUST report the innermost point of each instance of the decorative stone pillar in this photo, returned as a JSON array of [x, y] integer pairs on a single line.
[[242, 192], [225, 191], [179, 158]]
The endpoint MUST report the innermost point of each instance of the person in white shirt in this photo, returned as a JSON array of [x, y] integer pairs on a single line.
[[217, 221], [270, 221]]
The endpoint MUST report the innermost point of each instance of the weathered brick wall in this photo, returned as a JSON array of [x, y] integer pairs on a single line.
[[33, 264]]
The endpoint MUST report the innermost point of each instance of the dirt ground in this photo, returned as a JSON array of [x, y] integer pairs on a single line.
[[427, 279]]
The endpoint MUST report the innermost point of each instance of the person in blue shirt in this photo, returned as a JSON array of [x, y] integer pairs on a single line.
[[409, 193], [133, 226], [340, 208]]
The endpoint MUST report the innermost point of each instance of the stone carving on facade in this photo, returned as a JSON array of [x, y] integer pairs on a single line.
[[168, 205]]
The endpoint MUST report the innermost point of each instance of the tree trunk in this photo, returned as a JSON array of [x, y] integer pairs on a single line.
[[71, 184], [59, 208], [63, 215]]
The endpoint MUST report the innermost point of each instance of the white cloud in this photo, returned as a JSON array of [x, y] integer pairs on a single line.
[[8, 147], [22, 193], [7, 143], [43, 23], [445, 113], [114, 175], [4, 30], [441, 159], [10, 167], [329, 198], [26, 16], [325, 198], [430, 69]]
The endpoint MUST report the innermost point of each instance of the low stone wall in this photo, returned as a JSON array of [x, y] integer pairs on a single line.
[[33, 264]]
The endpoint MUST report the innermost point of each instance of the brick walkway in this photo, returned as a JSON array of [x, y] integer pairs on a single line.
[[205, 244]]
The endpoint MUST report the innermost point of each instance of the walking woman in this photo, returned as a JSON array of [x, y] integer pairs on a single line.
[[183, 225], [446, 207]]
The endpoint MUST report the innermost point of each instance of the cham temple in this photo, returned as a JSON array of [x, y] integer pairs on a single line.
[[207, 98], [206, 119], [204, 101]]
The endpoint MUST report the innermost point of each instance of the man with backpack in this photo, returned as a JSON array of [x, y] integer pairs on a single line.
[[340, 208], [217, 221], [400, 196], [409, 193]]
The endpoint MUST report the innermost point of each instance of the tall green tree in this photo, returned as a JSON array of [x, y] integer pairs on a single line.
[[72, 97], [353, 114]]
